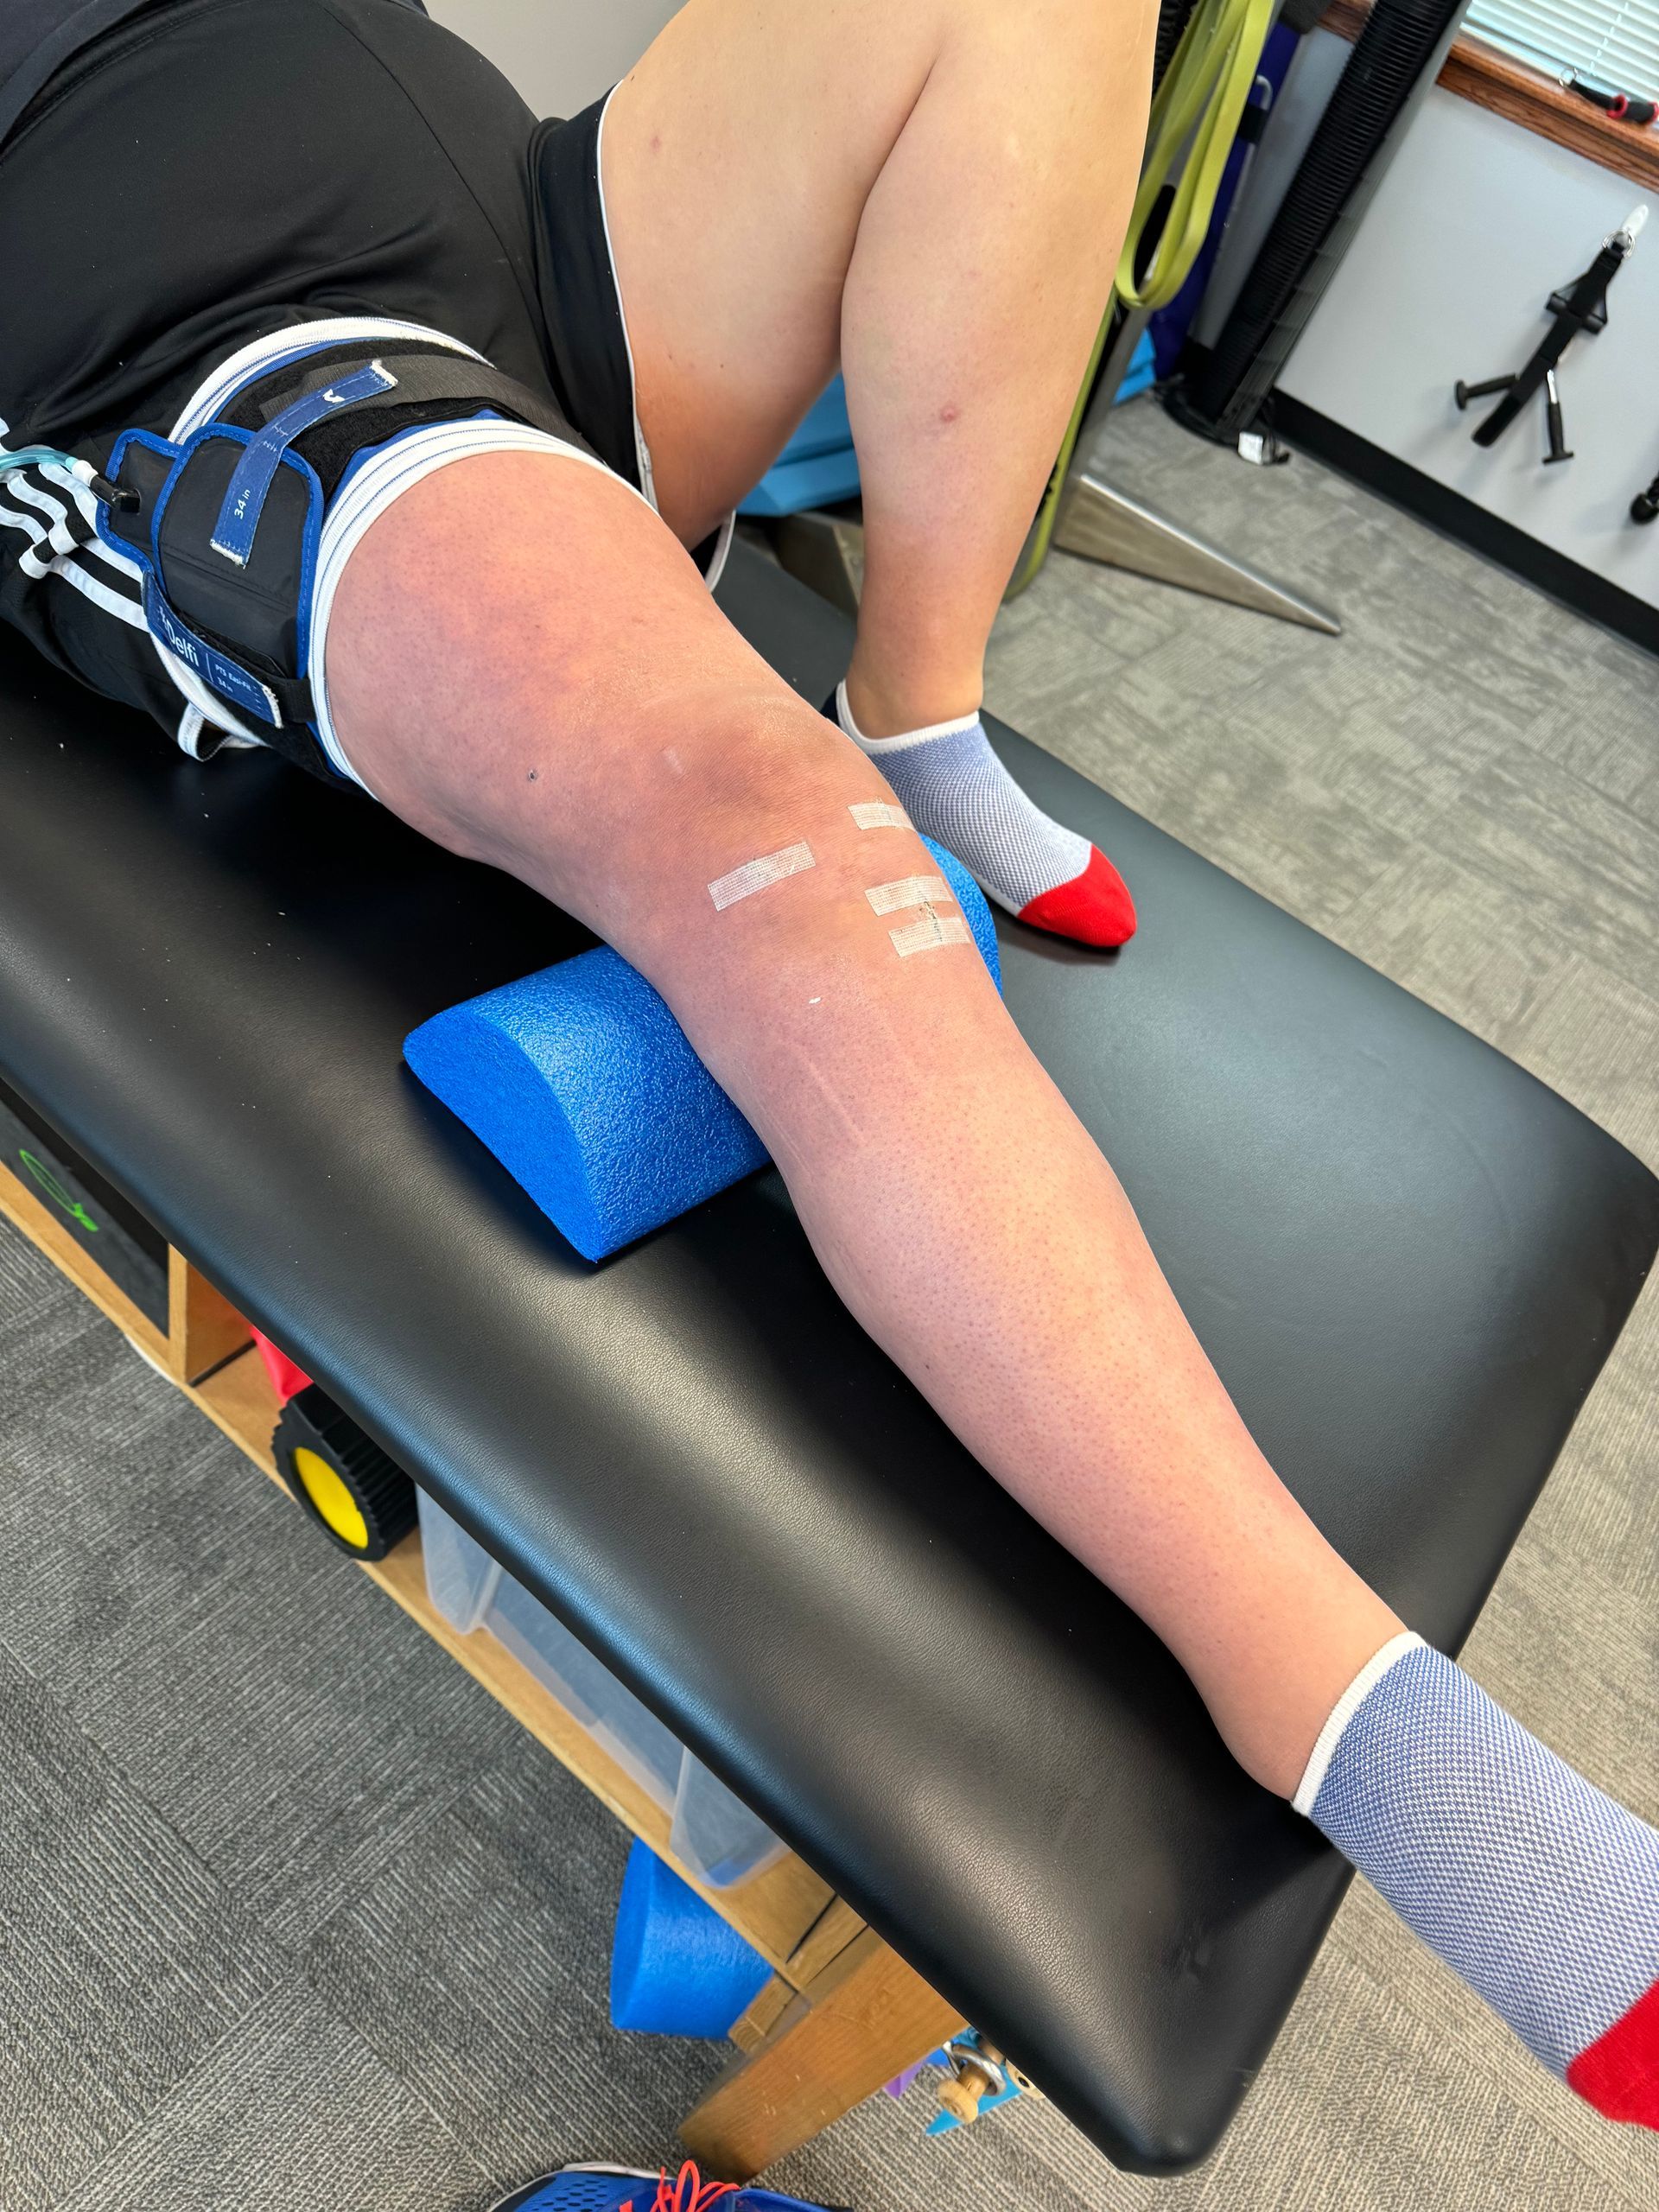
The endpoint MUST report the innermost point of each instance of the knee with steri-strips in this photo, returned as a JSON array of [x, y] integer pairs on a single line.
[[923, 899], [585, 1087]]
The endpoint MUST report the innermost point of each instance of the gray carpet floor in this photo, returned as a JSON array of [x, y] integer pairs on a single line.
[[293, 1919]]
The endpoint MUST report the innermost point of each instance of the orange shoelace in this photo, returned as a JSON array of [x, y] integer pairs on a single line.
[[687, 2192]]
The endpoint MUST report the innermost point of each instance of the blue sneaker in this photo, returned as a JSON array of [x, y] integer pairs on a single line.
[[624, 2189]]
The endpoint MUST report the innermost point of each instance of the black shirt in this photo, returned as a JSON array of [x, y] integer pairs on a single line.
[[38, 36]]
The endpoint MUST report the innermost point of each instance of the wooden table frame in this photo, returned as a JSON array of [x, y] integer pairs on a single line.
[[843, 2013]]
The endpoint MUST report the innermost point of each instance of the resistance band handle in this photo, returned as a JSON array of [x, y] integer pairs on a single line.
[[1574, 315], [1559, 449], [1463, 393]]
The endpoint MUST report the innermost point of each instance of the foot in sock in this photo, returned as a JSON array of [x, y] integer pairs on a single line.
[[1540, 1891], [955, 790]]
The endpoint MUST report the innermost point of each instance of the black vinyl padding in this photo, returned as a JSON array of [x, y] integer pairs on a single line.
[[1407, 1258]]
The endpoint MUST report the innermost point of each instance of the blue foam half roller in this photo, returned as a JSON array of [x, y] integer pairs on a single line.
[[974, 910], [587, 1089], [677, 1969]]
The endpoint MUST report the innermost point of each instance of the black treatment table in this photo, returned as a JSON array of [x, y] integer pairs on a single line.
[[1407, 1259]]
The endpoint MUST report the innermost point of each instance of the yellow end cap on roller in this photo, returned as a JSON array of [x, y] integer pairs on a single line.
[[331, 1497]]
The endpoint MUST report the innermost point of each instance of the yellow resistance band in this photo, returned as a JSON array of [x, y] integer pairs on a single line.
[[1201, 99]]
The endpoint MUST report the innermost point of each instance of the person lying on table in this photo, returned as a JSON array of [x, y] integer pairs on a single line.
[[312, 218]]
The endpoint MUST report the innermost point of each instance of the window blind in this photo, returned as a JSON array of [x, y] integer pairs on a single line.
[[1615, 41]]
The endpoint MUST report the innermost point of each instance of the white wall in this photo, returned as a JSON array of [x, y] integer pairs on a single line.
[[560, 53], [1476, 223]]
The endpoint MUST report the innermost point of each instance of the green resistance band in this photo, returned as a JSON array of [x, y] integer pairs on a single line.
[[1200, 100]]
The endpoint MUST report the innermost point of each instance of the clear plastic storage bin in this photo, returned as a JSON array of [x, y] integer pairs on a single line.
[[714, 1836]]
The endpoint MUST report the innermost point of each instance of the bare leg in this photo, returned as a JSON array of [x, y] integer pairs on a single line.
[[934, 194], [567, 703], [666, 753]]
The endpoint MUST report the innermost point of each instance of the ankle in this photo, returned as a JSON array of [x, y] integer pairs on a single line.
[[884, 707], [1272, 1714]]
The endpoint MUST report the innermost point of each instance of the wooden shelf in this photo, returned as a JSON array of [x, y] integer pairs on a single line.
[[203, 1328], [843, 2013], [776, 1909], [1488, 79]]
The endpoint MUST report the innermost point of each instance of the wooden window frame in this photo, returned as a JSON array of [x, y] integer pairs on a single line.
[[1480, 74]]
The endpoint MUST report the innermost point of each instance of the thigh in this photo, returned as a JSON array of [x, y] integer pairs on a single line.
[[737, 158], [525, 664], [965, 151], [523, 661]]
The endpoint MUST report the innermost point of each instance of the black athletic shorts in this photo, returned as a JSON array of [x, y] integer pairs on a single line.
[[216, 170]]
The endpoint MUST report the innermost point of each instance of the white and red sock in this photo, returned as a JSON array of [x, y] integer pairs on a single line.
[[955, 789], [1539, 1891]]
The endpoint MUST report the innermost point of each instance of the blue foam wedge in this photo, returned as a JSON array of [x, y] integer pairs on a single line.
[[676, 1967], [587, 1089]]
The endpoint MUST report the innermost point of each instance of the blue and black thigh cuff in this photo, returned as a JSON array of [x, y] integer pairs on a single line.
[[225, 526]]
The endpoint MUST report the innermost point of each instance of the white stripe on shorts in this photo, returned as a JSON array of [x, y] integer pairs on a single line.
[[130, 611]]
